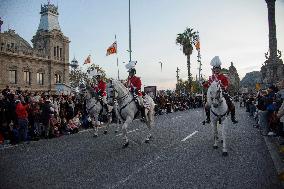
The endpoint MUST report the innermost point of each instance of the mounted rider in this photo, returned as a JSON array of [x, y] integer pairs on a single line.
[[100, 90], [134, 84], [218, 76]]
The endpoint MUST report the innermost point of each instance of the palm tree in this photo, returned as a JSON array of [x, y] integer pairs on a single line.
[[187, 39]]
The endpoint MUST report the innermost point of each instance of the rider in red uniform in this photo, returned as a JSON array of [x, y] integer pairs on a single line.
[[134, 84], [100, 89], [217, 75]]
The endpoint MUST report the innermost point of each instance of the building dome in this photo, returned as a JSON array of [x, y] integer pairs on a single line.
[[14, 41], [74, 63]]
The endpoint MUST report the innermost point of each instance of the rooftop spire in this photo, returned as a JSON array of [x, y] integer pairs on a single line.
[[49, 17]]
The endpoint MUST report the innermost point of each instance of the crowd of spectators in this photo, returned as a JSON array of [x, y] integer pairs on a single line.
[[267, 108], [26, 116], [168, 103]]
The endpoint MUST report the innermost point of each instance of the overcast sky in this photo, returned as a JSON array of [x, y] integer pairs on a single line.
[[235, 30]]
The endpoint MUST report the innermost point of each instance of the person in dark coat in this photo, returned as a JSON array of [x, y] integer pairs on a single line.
[[45, 117]]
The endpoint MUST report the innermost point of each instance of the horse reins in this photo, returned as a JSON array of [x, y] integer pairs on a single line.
[[220, 116], [125, 105]]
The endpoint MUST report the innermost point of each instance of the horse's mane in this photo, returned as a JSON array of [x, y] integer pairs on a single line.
[[120, 85]]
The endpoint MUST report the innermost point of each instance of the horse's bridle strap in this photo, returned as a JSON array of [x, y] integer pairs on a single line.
[[219, 116], [123, 96]]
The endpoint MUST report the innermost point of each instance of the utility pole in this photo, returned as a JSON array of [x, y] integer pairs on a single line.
[[177, 85], [199, 57], [129, 34], [177, 75]]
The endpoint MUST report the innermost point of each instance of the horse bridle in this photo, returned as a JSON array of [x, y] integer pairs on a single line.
[[88, 99], [120, 99], [219, 97], [219, 102]]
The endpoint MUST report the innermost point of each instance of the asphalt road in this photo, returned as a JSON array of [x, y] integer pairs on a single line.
[[180, 155]]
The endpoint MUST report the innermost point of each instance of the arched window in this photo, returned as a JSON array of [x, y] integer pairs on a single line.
[[57, 78], [13, 76], [39, 78], [27, 77]]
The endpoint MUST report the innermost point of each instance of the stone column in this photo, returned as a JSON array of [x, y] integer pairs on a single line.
[[272, 30]]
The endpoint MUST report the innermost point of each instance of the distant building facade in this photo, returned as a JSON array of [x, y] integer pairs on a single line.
[[37, 68], [234, 79]]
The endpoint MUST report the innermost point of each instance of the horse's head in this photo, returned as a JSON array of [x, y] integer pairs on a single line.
[[214, 94], [88, 92], [118, 88]]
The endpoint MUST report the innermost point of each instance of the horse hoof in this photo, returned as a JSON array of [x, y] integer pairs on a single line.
[[105, 132], [147, 140], [221, 141], [95, 135], [215, 147], [225, 153], [203, 122], [125, 145]]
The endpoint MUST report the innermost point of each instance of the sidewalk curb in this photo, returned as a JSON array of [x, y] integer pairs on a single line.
[[278, 164]]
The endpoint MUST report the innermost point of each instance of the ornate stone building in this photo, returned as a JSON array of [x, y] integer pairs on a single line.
[[37, 68], [234, 80]]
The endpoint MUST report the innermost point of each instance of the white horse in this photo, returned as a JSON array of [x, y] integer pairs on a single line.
[[219, 113], [94, 108], [127, 110]]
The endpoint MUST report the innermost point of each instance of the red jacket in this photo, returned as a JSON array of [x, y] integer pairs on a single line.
[[134, 83], [101, 88], [220, 77], [21, 111]]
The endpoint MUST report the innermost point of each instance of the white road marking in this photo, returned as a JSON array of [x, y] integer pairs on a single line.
[[128, 132], [176, 117], [122, 181], [189, 136], [8, 146]]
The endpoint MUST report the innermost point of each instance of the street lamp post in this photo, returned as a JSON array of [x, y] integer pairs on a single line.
[[130, 51]]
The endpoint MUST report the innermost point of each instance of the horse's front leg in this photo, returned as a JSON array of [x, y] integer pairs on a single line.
[[118, 118], [149, 115], [214, 124], [124, 131], [224, 134], [109, 120], [96, 124]]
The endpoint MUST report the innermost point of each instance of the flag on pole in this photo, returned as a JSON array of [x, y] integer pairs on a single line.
[[88, 60], [197, 45], [112, 49]]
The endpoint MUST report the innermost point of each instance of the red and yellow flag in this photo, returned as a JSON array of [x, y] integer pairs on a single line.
[[88, 60], [112, 49], [197, 45]]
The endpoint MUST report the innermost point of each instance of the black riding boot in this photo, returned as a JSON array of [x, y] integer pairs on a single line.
[[106, 107], [207, 112], [233, 115], [231, 107], [142, 110]]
